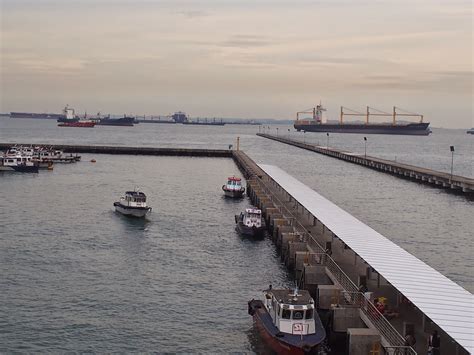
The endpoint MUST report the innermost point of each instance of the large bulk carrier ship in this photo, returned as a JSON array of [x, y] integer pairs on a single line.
[[318, 124]]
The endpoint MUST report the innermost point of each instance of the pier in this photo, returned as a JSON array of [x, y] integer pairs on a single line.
[[434, 178], [346, 265]]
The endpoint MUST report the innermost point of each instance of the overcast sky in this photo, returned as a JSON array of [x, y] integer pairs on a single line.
[[225, 58]]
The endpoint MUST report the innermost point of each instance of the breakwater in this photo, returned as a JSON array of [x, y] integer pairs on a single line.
[[454, 183]]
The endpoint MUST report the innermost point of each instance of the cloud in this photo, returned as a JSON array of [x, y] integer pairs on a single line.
[[457, 81]]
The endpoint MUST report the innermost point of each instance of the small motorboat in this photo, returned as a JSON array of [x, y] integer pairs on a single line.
[[287, 320], [250, 223], [133, 204], [234, 187]]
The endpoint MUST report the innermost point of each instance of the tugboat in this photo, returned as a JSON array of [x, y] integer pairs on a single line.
[[132, 204], [250, 223], [287, 320], [233, 188]]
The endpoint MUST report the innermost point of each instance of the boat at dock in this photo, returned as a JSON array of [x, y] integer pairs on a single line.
[[43, 155], [287, 321], [133, 204], [56, 156], [250, 223], [318, 124], [19, 163], [233, 188]]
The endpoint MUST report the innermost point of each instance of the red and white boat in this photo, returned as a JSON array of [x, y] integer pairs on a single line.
[[288, 322], [234, 187]]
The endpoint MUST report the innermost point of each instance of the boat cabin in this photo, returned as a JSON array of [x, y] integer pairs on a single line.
[[292, 311], [252, 217], [133, 199], [16, 160], [234, 183]]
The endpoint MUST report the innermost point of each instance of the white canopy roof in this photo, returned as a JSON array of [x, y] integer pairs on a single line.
[[447, 304]]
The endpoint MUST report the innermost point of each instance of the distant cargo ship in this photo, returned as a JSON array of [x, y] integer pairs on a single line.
[[54, 116], [68, 115], [123, 121], [205, 123], [317, 124]]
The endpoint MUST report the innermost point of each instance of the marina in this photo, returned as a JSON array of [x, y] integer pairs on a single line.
[[333, 278], [308, 238], [164, 190]]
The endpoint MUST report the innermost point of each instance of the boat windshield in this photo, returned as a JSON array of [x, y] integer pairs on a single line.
[[298, 314]]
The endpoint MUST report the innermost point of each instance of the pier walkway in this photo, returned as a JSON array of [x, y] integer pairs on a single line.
[[313, 233], [415, 173]]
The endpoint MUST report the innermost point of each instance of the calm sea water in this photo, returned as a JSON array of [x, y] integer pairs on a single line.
[[76, 276]]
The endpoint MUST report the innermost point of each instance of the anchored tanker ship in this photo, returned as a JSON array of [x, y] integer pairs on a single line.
[[317, 124]]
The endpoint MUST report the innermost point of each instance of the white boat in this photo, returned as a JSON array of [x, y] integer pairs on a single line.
[[18, 162], [56, 156], [234, 187], [250, 223], [288, 322], [133, 204]]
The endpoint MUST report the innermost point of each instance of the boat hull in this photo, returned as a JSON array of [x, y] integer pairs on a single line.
[[77, 124], [247, 231], [284, 343], [411, 129], [138, 212], [21, 168], [124, 121], [233, 193]]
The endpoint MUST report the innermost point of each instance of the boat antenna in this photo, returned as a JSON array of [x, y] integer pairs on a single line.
[[296, 289]]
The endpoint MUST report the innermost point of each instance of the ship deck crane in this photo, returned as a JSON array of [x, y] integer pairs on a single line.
[[368, 113]]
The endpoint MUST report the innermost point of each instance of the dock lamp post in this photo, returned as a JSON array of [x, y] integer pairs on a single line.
[[304, 137], [327, 142], [288, 133], [277, 131], [452, 160], [365, 147]]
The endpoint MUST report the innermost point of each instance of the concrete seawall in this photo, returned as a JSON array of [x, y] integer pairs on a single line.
[[454, 183], [101, 149]]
